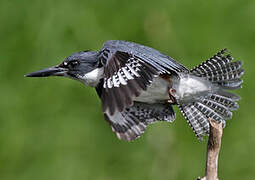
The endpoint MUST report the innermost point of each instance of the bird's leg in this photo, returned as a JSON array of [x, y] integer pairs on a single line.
[[171, 91], [172, 99]]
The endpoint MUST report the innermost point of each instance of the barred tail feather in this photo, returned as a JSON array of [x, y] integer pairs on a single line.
[[220, 70], [220, 109], [218, 106], [225, 74], [228, 102], [229, 96], [231, 84], [196, 119]]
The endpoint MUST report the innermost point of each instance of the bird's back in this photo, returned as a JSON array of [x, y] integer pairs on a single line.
[[144, 52]]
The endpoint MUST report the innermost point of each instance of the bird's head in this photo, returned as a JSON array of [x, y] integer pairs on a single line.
[[83, 66]]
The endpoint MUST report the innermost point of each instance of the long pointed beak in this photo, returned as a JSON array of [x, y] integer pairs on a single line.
[[52, 71]]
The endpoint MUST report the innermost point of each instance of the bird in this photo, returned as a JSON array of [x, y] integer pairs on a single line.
[[138, 85]]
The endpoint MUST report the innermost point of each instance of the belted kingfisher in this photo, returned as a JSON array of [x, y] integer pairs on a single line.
[[138, 85]]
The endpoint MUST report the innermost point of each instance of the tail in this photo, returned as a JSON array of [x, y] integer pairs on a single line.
[[224, 73]]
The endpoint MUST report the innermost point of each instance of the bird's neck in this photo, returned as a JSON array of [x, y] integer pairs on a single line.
[[93, 77]]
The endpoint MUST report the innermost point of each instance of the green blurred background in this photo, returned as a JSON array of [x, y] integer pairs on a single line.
[[53, 128]]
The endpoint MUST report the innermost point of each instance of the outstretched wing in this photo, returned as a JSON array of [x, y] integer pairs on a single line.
[[125, 76], [129, 68], [131, 123]]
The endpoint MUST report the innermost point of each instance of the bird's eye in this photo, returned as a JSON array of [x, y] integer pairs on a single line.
[[72, 64]]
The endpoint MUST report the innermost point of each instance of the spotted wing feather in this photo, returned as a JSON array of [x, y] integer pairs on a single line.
[[125, 76], [129, 70], [132, 122]]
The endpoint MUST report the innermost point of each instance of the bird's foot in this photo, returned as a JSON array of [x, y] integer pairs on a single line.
[[172, 99]]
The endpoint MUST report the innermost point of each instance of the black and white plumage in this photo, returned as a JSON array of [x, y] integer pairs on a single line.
[[132, 121], [138, 86]]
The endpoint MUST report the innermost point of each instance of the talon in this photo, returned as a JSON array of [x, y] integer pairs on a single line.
[[172, 91], [170, 101], [171, 96]]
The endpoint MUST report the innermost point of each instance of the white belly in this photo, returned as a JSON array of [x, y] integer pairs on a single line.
[[156, 92], [189, 87]]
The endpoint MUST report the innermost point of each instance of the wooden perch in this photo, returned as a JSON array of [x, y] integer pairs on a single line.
[[213, 149]]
